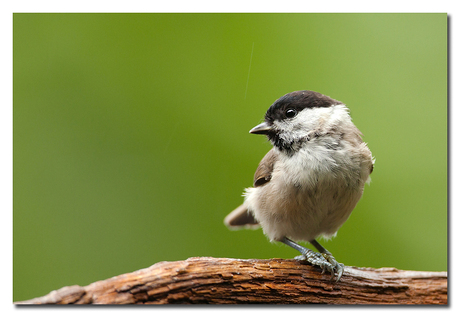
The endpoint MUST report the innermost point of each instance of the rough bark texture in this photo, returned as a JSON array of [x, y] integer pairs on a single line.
[[274, 281]]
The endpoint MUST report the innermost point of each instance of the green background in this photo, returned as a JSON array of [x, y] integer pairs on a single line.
[[131, 143]]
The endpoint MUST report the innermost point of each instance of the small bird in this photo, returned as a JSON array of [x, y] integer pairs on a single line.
[[307, 185]]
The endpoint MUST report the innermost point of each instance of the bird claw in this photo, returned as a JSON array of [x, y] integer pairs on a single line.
[[325, 261], [336, 266]]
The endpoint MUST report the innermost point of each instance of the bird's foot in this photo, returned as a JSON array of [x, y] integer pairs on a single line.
[[325, 261]]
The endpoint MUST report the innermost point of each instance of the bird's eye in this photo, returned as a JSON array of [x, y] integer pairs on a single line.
[[291, 113]]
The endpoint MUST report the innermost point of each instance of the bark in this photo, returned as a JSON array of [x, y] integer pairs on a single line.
[[274, 281]]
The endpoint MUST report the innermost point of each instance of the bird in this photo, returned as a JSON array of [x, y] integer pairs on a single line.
[[310, 181]]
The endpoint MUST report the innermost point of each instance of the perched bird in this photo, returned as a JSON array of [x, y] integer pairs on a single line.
[[307, 185]]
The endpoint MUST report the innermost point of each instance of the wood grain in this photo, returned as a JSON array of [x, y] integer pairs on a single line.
[[208, 280]]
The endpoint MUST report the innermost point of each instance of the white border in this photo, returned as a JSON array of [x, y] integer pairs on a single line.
[[207, 6]]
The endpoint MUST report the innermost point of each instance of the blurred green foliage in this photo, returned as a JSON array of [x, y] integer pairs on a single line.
[[131, 138]]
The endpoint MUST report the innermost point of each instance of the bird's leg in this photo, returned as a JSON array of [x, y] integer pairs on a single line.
[[324, 259], [310, 256], [328, 256]]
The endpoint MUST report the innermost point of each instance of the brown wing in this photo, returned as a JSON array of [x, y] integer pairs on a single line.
[[241, 218], [264, 170]]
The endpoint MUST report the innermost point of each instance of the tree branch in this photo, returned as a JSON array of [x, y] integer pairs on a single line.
[[232, 281]]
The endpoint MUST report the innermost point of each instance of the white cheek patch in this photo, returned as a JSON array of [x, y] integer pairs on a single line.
[[311, 119], [300, 126], [339, 115]]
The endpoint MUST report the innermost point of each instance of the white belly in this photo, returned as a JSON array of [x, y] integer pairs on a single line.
[[315, 200]]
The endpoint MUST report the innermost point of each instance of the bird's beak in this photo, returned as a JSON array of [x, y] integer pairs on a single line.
[[262, 128]]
